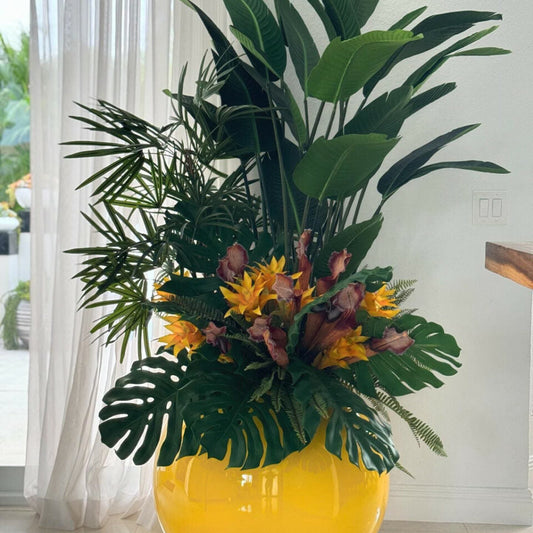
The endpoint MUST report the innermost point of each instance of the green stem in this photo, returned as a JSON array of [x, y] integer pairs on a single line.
[[359, 203], [265, 207], [317, 122], [331, 121], [249, 197], [348, 208], [306, 111], [306, 211]]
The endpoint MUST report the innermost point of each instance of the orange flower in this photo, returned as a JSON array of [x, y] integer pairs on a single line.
[[344, 351], [248, 296], [183, 335], [269, 271], [380, 303]]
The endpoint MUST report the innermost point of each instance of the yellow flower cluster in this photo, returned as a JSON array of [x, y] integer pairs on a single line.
[[380, 303], [183, 335], [344, 351]]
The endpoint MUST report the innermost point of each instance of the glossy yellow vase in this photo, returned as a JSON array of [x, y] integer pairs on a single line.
[[310, 491]]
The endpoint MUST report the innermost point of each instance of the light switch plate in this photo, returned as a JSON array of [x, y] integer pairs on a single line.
[[489, 207]]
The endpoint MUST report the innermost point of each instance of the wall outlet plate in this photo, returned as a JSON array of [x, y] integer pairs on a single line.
[[489, 207]]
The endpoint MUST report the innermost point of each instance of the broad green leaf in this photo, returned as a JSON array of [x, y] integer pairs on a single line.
[[349, 16], [433, 351], [381, 115], [476, 166], [357, 239], [376, 275], [345, 66], [368, 437], [340, 167], [486, 51], [302, 47], [184, 286], [326, 21], [417, 78], [140, 401], [436, 29], [253, 19], [249, 45], [402, 172], [407, 19], [219, 409]]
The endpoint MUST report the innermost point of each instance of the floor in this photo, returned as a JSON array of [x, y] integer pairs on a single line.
[[13, 406], [23, 521]]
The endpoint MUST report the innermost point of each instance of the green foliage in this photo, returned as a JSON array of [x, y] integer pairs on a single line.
[[14, 112], [161, 206], [8, 326]]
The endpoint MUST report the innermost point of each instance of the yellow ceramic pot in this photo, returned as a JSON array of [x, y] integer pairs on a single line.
[[310, 491]]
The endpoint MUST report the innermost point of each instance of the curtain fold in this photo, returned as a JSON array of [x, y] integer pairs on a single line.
[[125, 52]]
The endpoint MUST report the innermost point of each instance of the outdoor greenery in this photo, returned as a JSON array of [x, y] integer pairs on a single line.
[[8, 326], [272, 326], [14, 112]]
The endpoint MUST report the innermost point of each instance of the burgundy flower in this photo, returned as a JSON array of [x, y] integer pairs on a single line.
[[338, 261], [276, 341], [232, 265], [261, 324], [215, 336], [304, 265], [392, 341], [284, 287]]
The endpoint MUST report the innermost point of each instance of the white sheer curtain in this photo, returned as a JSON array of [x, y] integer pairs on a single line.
[[125, 52]]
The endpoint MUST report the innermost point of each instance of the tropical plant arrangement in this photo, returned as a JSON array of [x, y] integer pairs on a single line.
[[272, 324]]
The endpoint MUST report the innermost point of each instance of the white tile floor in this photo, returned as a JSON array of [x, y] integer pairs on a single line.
[[13, 406], [23, 521]]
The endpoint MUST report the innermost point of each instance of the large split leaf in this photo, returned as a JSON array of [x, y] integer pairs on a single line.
[[136, 408], [345, 66], [433, 351], [223, 416], [367, 436], [340, 167], [357, 239]]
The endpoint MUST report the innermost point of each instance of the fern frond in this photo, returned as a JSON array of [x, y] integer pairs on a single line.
[[403, 288], [295, 412], [421, 431], [189, 306]]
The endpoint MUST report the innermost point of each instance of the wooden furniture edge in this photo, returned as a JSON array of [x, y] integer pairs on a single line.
[[511, 260]]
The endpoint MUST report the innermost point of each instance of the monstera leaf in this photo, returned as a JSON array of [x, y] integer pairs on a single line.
[[137, 406], [368, 437], [222, 414], [433, 351]]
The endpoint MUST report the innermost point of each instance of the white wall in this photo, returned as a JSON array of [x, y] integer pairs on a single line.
[[482, 413]]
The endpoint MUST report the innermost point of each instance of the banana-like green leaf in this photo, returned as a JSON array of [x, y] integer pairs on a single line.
[[368, 437], [326, 21], [436, 29], [139, 402], [357, 239], [484, 51], [345, 66], [403, 171], [417, 78], [302, 47], [253, 19], [476, 166], [433, 351], [349, 16], [222, 415], [382, 115], [340, 167], [407, 19]]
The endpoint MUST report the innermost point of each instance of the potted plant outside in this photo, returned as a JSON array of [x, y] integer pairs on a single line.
[[277, 338]]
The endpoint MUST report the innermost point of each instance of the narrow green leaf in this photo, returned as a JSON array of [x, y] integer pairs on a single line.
[[302, 47], [402, 172], [476, 166], [345, 66], [341, 166], [407, 19], [487, 51], [326, 21]]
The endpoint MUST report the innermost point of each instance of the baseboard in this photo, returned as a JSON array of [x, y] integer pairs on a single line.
[[420, 503], [12, 486]]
